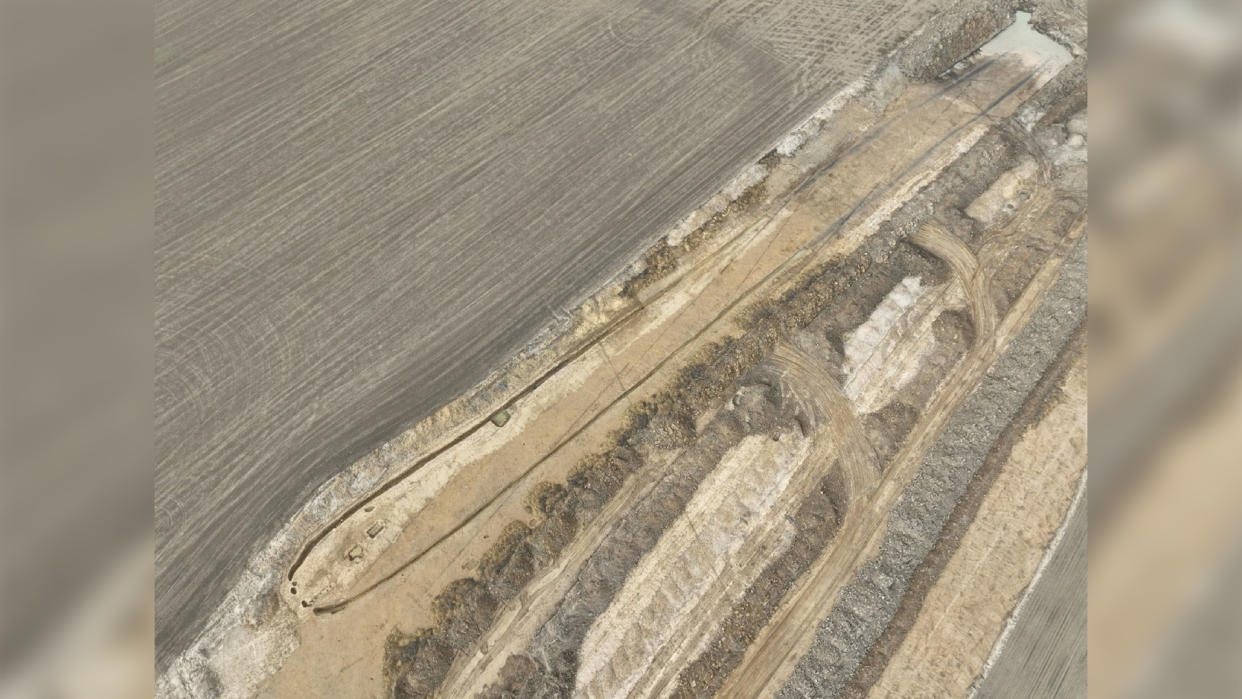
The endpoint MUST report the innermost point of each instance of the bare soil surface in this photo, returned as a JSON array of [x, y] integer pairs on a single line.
[[816, 443], [363, 211]]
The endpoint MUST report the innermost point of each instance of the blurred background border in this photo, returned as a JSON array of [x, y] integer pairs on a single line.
[[1166, 349], [76, 341]]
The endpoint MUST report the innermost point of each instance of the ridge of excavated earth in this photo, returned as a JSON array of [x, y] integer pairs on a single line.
[[817, 443]]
